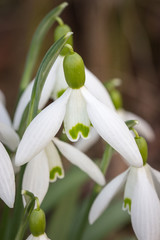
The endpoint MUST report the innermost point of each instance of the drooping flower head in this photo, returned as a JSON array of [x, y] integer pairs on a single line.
[[78, 108], [140, 198]]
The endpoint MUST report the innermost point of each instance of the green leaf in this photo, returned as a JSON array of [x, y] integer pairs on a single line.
[[110, 221], [73, 180], [36, 43], [63, 216]]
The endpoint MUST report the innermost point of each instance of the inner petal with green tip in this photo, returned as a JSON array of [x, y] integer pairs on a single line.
[[55, 172], [54, 162], [76, 121], [127, 204]]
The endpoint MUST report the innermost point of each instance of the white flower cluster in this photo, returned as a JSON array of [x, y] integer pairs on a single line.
[[87, 112]]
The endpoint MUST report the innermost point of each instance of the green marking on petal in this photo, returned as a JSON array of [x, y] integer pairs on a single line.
[[60, 92], [79, 128], [55, 170], [127, 201]]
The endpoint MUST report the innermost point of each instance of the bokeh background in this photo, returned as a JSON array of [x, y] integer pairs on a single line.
[[118, 38]]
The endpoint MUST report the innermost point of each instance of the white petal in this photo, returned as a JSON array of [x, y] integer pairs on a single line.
[[41, 237], [143, 127], [112, 129], [41, 130], [54, 161], [106, 195], [129, 189], [49, 85], [145, 208], [156, 179], [76, 121], [4, 116], [15, 168], [80, 160], [23, 101], [36, 176], [95, 86], [84, 144], [60, 84], [8, 136], [7, 179]]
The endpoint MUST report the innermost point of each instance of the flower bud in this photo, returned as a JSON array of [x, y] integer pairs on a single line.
[[116, 98], [37, 222], [61, 31], [142, 145], [74, 70]]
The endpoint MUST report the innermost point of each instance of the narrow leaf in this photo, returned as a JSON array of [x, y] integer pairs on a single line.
[[36, 43]]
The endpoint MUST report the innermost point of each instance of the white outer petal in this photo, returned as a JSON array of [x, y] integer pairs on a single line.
[[143, 127], [80, 160], [145, 208], [95, 86], [8, 136], [61, 83], [84, 144], [112, 129], [23, 101], [4, 116], [49, 85], [156, 179], [106, 195], [42, 129], [36, 176], [7, 179]]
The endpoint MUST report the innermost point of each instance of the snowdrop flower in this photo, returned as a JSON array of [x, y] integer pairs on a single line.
[[47, 167], [7, 179], [41, 237], [55, 85], [140, 199], [7, 134], [77, 107]]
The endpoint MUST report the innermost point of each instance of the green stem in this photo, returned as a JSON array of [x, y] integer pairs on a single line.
[[16, 218], [24, 223], [60, 21], [135, 132]]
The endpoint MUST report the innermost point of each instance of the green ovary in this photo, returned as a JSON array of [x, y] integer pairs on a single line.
[[55, 170], [127, 201], [60, 92], [79, 128]]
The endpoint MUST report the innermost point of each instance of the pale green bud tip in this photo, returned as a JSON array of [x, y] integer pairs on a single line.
[[37, 222], [61, 31], [74, 70], [116, 98], [142, 145]]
